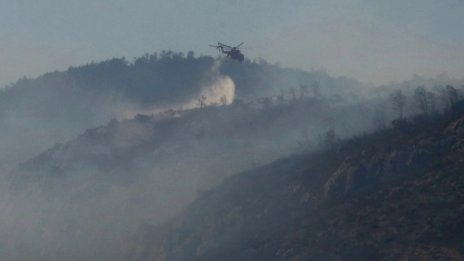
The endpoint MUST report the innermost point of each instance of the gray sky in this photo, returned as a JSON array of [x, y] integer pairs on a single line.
[[375, 41]]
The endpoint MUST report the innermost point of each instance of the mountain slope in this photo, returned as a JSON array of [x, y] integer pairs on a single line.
[[111, 179], [82, 198], [393, 195]]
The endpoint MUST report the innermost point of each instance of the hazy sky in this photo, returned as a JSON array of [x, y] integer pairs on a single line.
[[374, 41]]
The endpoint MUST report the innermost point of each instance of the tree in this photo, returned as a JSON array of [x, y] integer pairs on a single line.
[[223, 100], [432, 99], [330, 139], [398, 102], [292, 92], [450, 96], [421, 100], [304, 91], [316, 90], [202, 101], [281, 97], [190, 55]]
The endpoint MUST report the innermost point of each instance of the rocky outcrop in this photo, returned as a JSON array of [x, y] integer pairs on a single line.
[[365, 168], [354, 173], [346, 178], [456, 127]]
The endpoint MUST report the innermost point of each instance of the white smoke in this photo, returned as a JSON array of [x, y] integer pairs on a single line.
[[218, 89], [221, 91]]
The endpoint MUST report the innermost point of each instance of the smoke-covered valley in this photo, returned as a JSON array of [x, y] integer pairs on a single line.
[[91, 154]]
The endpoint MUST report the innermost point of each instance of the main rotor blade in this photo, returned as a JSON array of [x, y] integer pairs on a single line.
[[225, 45], [239, 45]]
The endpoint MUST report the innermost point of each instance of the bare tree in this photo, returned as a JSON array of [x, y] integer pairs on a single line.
[[304, 91], [292, 92], [432, 99], [223, 100], [281, 97], [202, 101], [421, 100], [398, 102], [451, 97], [330, 139]]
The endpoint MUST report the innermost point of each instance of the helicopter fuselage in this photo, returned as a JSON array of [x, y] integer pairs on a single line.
[[234, 54], [230, 52]]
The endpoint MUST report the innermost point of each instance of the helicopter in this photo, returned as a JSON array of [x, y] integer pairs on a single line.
[[231, 52]]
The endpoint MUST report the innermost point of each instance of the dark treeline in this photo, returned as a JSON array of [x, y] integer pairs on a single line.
[[151, 79], [171, 77]]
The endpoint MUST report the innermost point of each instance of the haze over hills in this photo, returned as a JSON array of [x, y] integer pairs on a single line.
[[182, 155], [167, 155], [394, 195], [97, 151], [55, 107]]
